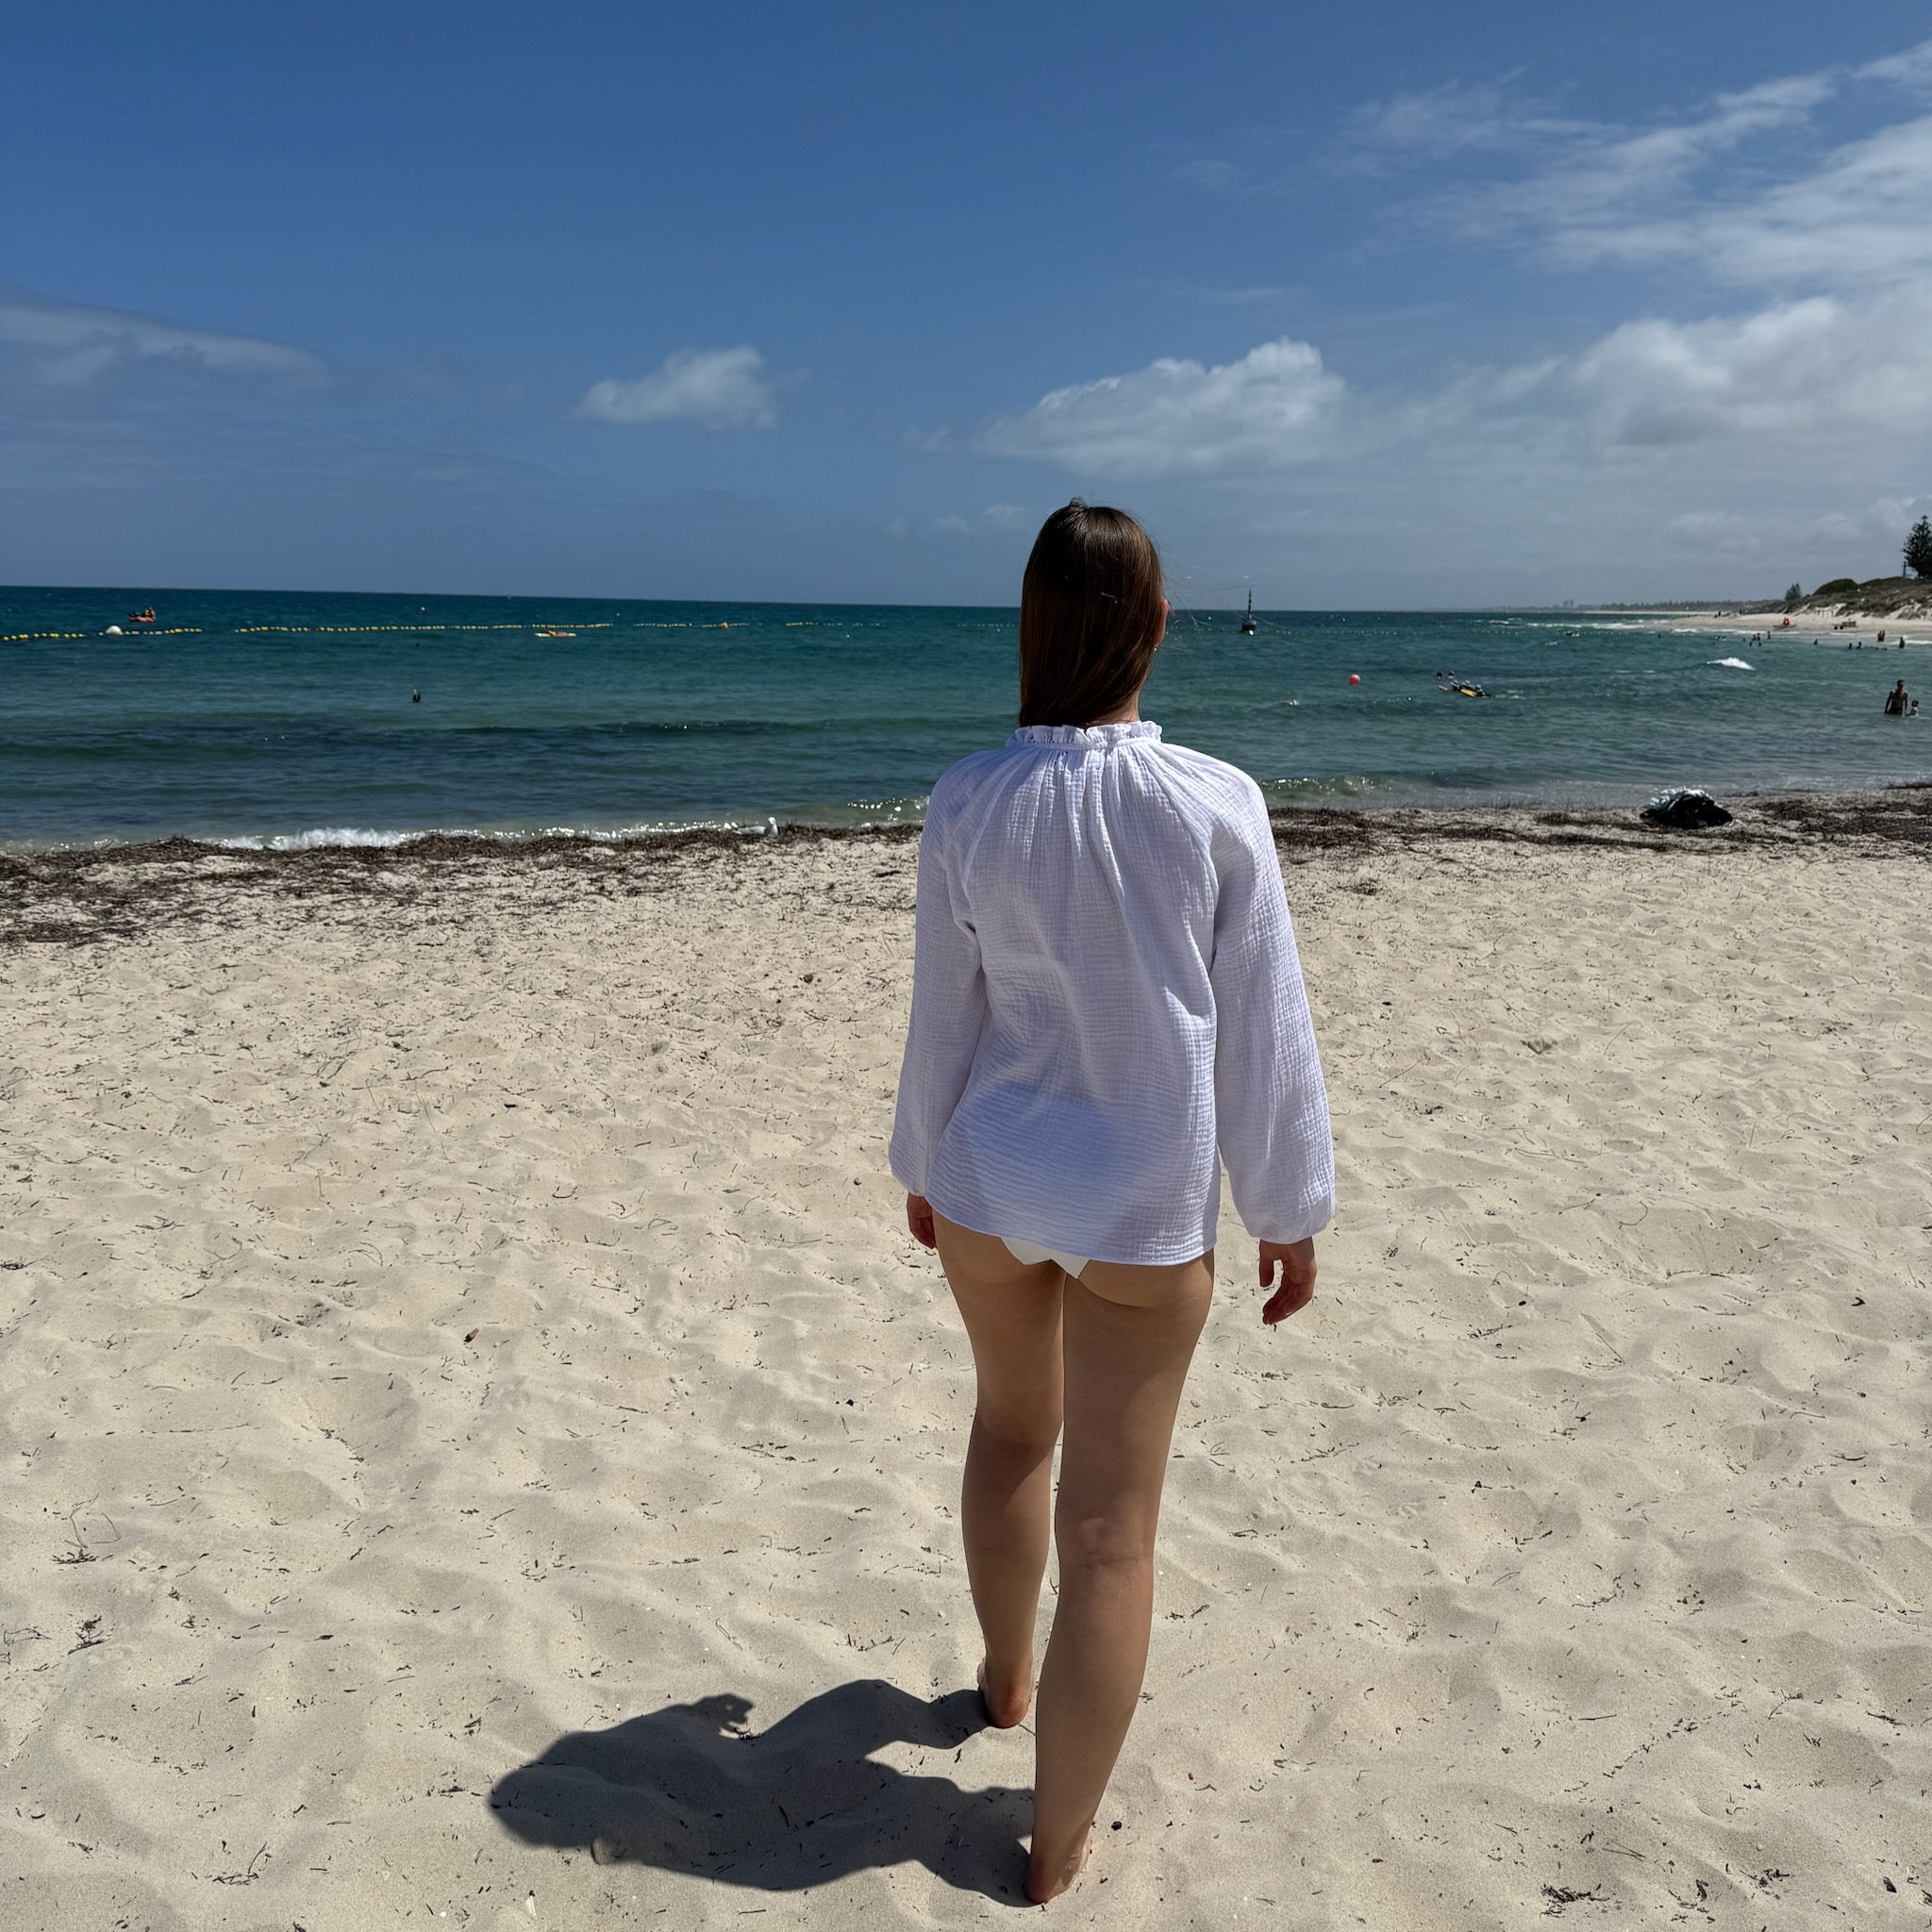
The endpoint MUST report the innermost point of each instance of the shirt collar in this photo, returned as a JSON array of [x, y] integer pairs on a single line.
[[1084, 737]]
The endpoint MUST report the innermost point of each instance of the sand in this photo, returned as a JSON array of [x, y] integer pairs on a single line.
[[479, 1447], [1810, 626]]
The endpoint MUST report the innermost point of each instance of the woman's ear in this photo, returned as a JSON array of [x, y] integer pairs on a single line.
[[1166, 611]]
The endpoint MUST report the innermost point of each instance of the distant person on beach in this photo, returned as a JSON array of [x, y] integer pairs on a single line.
[[1898, 702], [1106, 991]]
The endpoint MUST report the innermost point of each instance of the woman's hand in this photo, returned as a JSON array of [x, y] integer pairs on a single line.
[[919, 1218], [1296, 1260]]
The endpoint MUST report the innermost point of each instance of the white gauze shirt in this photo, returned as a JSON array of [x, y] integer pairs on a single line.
[[1106, 990]]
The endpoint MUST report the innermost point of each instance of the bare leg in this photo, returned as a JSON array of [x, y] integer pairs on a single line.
[[1129, 1338], [1012, 1316]]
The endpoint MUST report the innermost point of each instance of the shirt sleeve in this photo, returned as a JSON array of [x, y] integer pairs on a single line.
[[1271, 1106], [948, 1007]]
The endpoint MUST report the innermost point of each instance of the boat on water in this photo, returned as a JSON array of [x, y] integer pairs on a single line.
[[1248, 621]]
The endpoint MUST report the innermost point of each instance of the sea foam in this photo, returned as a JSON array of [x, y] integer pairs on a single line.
[[321, 838]]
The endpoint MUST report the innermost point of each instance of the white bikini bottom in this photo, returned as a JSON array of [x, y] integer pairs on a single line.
[[1026, 1252]]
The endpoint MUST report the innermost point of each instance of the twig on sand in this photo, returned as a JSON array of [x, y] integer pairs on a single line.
[[80, 1553], [1561, 1896], [246, 1877]]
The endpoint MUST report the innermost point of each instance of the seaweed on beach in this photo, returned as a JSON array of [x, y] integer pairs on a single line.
[[77, 897], [1895, 823], [1900, 815], [125, 891]]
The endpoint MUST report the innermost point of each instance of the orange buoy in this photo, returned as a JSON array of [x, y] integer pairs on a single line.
[[1355, 677]]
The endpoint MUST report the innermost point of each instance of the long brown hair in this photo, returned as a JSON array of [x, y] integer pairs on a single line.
[[1091, 615]]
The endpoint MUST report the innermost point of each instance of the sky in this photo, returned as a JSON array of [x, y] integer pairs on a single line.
[[1391, 306]]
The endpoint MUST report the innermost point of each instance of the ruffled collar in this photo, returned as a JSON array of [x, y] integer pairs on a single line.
[[1085, 736]]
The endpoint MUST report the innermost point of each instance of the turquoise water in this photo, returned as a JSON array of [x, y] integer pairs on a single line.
[[289, 719]]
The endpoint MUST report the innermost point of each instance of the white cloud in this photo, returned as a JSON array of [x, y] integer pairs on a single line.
[[1817, 368], [1737, 191], [1263, 294], [1857, 217], [1911, 69], [69, 344], [1739, 439], [995, 520], [1807, 192], [716, 388], [1877, 527], [1724, 530], [1272, 408], [1870, 534], [1692, 442], [1456, 118], [1210, 171]]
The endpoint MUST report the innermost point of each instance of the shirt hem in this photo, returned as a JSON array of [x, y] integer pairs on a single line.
[[1059, 1245]]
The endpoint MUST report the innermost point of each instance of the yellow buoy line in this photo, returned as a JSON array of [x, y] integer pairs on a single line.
[[305, 630], [22, 637], [339, 630]]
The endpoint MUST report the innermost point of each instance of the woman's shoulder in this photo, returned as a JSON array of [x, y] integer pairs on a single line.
[[1214, 788], [955, 788], [959, 781]]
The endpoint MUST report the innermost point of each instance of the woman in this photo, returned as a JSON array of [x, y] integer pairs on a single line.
[[1105, 990]]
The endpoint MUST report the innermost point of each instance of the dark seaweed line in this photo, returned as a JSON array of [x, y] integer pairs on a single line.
[[80, 897]]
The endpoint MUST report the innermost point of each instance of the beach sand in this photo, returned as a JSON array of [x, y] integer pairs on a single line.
[[480, 1448], [1810, 626]]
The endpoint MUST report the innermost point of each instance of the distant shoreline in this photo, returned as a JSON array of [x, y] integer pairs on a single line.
[[1825, 626], [120, 597]]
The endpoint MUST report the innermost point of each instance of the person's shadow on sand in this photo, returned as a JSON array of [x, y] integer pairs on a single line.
[[689, 1789]]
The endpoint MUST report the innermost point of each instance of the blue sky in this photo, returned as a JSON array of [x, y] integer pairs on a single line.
[[1389, 305]]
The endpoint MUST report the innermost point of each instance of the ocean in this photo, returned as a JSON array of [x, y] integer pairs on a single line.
[[287, 720]]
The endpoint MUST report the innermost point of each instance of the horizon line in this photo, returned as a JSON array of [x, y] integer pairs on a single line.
[[1575, 607]]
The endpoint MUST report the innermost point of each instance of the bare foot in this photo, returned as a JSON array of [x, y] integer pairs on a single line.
[[1004, 1712], [1048, 1882]]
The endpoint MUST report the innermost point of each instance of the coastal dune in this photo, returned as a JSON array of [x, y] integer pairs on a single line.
[[477, 1444]]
